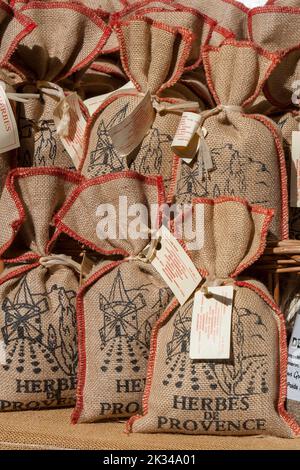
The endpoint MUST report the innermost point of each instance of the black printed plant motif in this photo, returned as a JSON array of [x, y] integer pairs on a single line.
[[105, 159], [228, 177], [246, 375], [30, 340], [150, 157], [126, 328], [43, 144]]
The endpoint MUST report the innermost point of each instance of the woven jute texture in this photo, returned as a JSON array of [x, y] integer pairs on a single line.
[[246, 150], [153, 58], [51, 429], [240, 396], [65, 40], [119, 302], [276, 29], [38, 317]]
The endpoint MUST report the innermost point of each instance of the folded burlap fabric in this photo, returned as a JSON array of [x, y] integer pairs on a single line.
[[240, 154], [241, 395], [154, 57], [122, 297], [282, 83], [65, 40], [37, 295]]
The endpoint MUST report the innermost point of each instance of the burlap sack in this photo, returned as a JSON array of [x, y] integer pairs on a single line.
[[66, 38], [245, 394], [229, 14], [150, 68], [37, 295], [247, 158], [285, 3], [119, 302]]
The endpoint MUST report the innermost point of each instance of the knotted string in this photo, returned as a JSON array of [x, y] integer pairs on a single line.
[[214, 281], [60, 260], [20, 97], [52, 89]]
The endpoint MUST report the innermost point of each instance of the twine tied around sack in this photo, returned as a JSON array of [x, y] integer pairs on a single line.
[[148, 254], [52, 89], [19, 97], [214, 281]]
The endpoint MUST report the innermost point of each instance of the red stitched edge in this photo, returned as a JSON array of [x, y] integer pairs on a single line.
[[89, 13], [186, 35], [274, 58], [81, 376], [23, 173], [282, 346], [17, 272], [283, 173], [238, 5], [63, 228]]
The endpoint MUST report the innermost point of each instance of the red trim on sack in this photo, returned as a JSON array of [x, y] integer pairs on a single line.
[[283, 173], [186, 35], [18, 271], [29, 26], [89, 13], [81, 376], [274, 58], [237, 4], [23, 173], [107, 69], [283, 356], [151, 363], [22, 259], [62, 227]]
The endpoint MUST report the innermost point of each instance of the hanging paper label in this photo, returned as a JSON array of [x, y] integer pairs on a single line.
[[73, 142], [293, 370], [129, 133], [211, 324], [295, 170], [9, 135], [2, 353], [186, 141], [175, 267], [93, 103]]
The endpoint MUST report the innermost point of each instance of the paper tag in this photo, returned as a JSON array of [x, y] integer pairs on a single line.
[[9, 135], [2, 353], [211, 324], [293, 369], [175, 267], [93, 103], [295, 170], [186, 142], [129, 133], [74, 142]]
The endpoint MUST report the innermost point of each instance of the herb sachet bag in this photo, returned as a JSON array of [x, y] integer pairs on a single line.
[[38, 335], [154, 57], [123, 296], [242, 392], [66, 38], [239, 154]]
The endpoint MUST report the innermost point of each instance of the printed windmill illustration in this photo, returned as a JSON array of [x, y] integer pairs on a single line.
[[126, 326], [30, 340], [190, 184], [105, 159], [150, 157]]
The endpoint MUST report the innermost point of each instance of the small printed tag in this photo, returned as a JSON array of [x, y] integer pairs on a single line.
[[129, 133], [293, 369], [9, 135], [73, 143], [295, 170], [186, 142], [2, 353], [93, 103], [211, 324], [176, 267]]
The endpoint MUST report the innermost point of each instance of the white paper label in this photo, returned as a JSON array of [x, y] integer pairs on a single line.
[[129, 133], [295, 170], [293, 369], [176, 267], [9, 135], [93, 103], [186, 141], [211, 324], [73, 143], [2, 353]]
